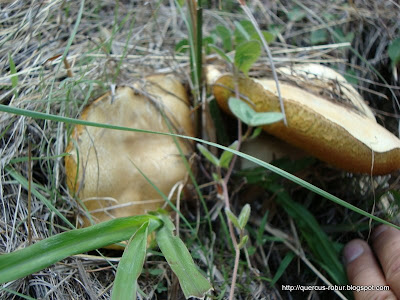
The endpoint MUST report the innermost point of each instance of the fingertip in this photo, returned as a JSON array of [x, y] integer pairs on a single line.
[[378, 231], [353, 250]]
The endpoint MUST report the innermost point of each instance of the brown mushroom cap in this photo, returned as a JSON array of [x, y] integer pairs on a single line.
[[330, 131], [106, 179]]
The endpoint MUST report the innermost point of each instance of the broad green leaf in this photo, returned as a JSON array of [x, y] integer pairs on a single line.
[[46, 252], [394, 51], [296, 14], [242, 31], [232, 218], [268, 36], [244, 216], [241, 110], [282, 267], [192, 282], [221, 53], [130, 266], [207, 154], [246, 55], [246, 31], [226, 36], [319, 36], [226, 156], [265, 118]]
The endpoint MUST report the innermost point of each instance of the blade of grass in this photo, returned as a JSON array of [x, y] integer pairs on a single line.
[[130, 266], [46, 252], [317, 240], [192, 282], [22, 180], [282, 267], [297, 180]]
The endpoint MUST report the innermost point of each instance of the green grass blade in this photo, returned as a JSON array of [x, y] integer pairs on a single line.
[[319, 243], [282, 267], [46, 252], [297, 180], [192, 282], [13, 72], [24, 182], [131, 265]]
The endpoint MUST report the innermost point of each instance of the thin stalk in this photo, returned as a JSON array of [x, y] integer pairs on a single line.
[[29, 192], [234, 241]]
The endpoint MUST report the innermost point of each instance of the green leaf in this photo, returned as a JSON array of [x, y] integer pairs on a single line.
[[206, 42], [268, 36], [246, 55], [321, 246], [216, 177], [46, 252], [232, 217], [192, 282], [272, 168], [282, 267], [243, 31], [208, 155], [319, 36], [340, 37], [131, 265], [226, 36], [182, 46], [227, 156], [243, 241], [256, 133], [265, 118], [241, 110], [13, 72], [261, 229], [221, 53], [296, 14], [244, 216], [394, 51]]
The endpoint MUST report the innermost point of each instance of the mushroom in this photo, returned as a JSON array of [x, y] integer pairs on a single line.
[[338, 129], [104, 166]]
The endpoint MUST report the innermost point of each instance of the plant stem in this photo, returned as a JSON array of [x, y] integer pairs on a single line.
[[233, 238]]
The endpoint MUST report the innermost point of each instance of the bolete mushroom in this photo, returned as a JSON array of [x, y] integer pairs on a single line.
[[342, 133], [103, 166]]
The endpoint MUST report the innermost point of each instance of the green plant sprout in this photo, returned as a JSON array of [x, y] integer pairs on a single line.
[[137, 229]]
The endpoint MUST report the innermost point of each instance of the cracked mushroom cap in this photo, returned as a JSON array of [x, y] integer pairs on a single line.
[[103, 166], [334, 132]]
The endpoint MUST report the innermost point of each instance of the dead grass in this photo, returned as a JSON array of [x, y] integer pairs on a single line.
[[119, 42]]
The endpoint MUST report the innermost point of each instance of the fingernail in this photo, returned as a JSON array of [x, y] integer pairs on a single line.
[[352, 251], [378, 231]]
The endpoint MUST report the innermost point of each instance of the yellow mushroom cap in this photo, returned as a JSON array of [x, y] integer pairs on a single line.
[[101, 165], [332, 132]]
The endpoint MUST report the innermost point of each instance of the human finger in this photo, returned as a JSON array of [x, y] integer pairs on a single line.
[[386, 244], [363, 270]]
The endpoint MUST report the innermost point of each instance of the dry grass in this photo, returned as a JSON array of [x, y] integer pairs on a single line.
[[118, 42]]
